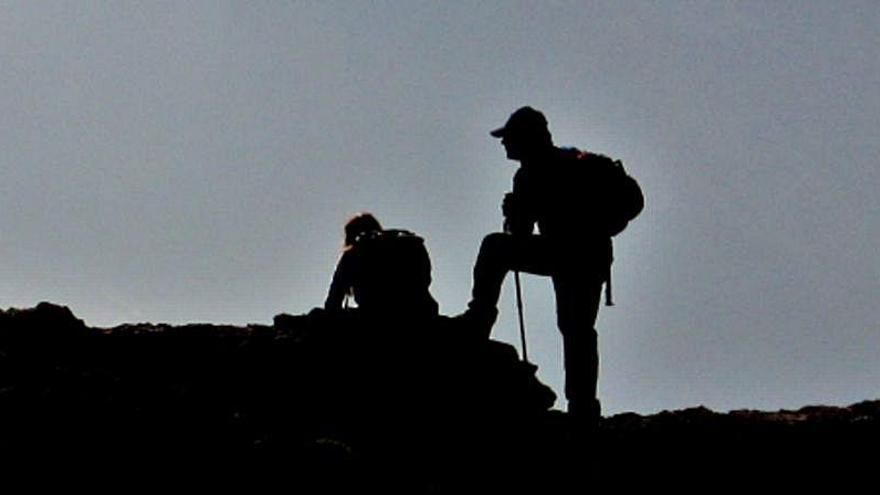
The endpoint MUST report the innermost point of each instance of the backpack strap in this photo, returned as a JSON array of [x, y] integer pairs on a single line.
[[608, 299]]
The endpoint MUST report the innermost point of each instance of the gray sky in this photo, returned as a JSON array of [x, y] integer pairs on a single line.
[[195, 161]]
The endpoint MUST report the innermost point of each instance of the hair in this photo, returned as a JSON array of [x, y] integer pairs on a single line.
[[358, 225]]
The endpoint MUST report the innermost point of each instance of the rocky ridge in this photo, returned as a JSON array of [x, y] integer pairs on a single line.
[[349, 402]]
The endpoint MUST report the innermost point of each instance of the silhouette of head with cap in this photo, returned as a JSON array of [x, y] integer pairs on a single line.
[[525, 135]]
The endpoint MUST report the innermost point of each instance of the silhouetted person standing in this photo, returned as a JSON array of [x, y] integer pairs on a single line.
[[565, 193]]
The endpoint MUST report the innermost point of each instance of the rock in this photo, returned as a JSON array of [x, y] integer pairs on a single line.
[[398, 403]]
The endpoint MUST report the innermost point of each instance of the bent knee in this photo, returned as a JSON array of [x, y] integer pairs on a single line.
[[496, 241], [496, 238]]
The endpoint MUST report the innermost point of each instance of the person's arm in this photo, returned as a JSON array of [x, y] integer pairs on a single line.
[[339, 285], [519, 215]]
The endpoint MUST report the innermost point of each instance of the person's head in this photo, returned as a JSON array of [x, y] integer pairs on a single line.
[[525, 135], [358, 225]]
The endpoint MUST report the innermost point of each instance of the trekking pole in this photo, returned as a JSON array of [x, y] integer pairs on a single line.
[[519, 308], [519, 303]]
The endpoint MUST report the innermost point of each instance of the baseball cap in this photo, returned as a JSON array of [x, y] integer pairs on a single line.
[[523, 121]]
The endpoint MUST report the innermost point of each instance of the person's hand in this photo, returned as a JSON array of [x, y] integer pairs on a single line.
[[515, 219]]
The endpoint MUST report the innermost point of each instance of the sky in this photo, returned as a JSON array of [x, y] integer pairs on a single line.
[[180, 162]]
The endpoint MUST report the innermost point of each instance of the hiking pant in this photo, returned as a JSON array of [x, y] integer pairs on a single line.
[[577, 281]]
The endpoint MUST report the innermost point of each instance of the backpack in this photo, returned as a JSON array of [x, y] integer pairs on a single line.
[[391, 268], [617, 195], [615, 198]]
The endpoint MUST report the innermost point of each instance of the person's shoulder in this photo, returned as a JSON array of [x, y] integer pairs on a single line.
[[568, 160], [572, 154], [572, 159], [580, 161], [568, 152]]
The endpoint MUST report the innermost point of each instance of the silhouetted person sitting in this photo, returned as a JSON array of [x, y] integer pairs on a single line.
[[565, 192], [341, 286]]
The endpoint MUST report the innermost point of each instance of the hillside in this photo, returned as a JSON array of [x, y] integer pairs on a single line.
[[347, 402]]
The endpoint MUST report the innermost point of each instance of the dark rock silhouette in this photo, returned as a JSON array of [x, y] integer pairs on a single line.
[[350, 403], [325, 389]]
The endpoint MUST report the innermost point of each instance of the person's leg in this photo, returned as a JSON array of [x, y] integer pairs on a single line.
[[500, 253], [577, 305]]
